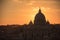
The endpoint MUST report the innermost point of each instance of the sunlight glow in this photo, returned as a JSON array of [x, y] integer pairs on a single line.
[[35, 10], [44, 9], [22, 11]]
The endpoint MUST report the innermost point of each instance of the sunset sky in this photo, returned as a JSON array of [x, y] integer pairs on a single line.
[[22, 11]]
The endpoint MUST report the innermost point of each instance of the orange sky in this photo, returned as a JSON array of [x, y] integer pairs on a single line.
[[22, 11]]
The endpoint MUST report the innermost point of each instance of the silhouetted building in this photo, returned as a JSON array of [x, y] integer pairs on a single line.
[[47, 22], [39, 18], [30, 23]]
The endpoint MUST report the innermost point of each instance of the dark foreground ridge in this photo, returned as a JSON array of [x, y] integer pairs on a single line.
[[39, 30]]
